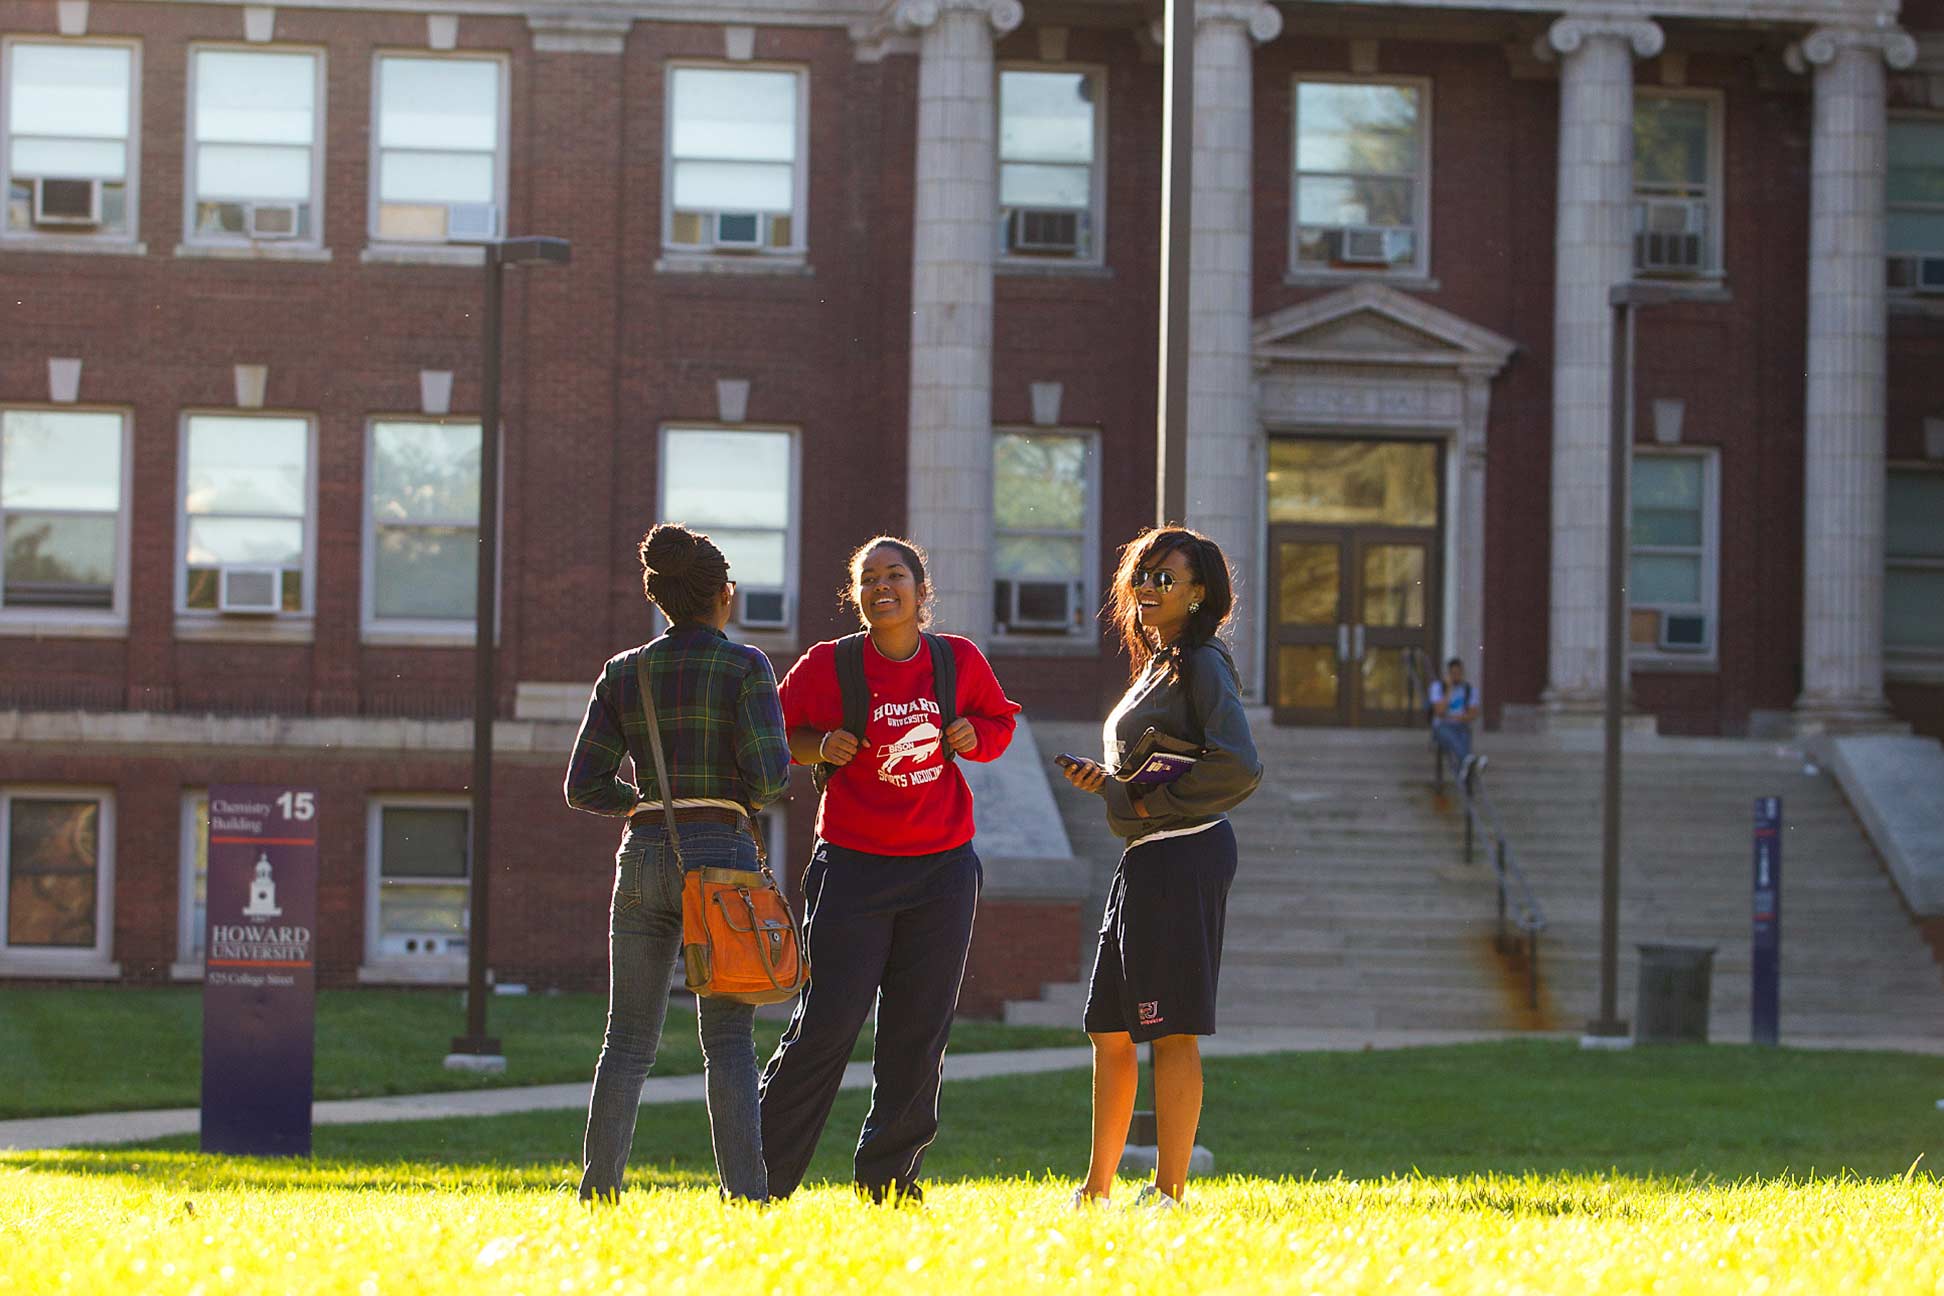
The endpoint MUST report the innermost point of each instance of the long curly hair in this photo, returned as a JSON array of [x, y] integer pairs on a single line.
[[682, 571], [1209, 568]]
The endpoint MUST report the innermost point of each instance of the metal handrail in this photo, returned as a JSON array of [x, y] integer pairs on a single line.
[[1516, 903]]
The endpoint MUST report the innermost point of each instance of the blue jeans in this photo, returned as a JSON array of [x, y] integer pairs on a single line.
[[644, 938], [1455, 737]]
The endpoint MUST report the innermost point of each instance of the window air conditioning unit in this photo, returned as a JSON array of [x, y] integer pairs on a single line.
[[1684, 632], [1045, 232], [1670, 235], [409, 944], [472, 222], [1372, 244], [70, 203], [738, 231], [763, 608], [263, 220], [250, 590], [1036, 605], [1918, 273]]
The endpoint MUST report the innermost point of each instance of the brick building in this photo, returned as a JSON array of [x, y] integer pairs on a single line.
[[841, 266]]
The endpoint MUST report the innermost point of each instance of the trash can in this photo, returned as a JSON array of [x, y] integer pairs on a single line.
[[1675, 983]]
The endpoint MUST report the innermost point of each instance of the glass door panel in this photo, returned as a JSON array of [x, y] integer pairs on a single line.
[[1309, 583], [1393, 585], [1397, 606], [1306, 677], [1307, 640]]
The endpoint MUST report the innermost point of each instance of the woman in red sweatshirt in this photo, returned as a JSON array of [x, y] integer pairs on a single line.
[[893, 882]]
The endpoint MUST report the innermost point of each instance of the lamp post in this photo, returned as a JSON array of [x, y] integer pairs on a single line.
[[1177, 215], [1609, 1029], [476, 1050]]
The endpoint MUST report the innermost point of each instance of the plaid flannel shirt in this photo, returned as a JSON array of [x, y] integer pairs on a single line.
[[721, 726]]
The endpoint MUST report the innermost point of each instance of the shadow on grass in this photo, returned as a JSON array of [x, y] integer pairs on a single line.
[[1716, 1115]]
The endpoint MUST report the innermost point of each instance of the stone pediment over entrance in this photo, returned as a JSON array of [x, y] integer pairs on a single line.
[[1374, 324]]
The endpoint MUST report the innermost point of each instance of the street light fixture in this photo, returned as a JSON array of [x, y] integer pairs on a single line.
[[476, 1050], [1609, 1029], [1177, 214]]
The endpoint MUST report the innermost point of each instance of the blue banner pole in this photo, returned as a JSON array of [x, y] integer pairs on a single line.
[[1765, 1000]]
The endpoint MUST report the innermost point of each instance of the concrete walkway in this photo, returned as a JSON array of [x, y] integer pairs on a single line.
[[106, 1128], [139, 1126]]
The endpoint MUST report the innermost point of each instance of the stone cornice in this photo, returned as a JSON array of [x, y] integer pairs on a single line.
[[556, 33], [1570, 34], [1820, 47], [916, 15]]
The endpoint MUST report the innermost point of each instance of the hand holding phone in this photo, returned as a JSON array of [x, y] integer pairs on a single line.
[[1081, 772]]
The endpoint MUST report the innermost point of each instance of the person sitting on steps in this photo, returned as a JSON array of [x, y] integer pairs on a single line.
[[1454, 705]]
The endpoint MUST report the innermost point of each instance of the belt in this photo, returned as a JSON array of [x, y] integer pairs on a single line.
[[692, 814]]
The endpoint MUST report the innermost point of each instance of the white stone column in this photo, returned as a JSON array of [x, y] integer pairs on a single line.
[[1224, 465], [954, 216], [1593, 252], [1466, 636], [1843, 450]]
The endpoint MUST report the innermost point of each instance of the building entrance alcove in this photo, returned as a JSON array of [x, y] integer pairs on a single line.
[[1375, 406]]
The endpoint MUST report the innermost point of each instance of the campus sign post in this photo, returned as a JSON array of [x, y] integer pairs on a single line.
[[259, 974]]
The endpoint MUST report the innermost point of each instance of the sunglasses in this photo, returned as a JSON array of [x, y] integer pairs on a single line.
[[1162, 580]]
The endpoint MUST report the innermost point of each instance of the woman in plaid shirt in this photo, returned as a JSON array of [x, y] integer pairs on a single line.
[[722, 731]]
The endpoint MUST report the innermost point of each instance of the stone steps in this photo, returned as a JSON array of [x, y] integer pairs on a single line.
[[1353, 907]]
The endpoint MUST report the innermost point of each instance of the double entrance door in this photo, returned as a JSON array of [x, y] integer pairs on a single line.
[[1355, 578]]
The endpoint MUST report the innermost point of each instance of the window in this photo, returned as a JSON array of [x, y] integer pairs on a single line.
[[1671, 585], [57, 846], [1913, 587], [61, 487], [1049, 189], [254, 152], [422, 537], [418, 901], [740, 487], [1042, 505], [246, 502], [1677, 184], [1362, 174], [441, 173], [736, 144], [1914, 194], [192, 909], [70, 139]]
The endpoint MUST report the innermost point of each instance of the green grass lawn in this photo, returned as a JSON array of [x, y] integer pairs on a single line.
[[108, 1049], [1508, 1167]]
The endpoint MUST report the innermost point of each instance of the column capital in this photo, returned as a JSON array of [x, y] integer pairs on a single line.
[[1569, 35], [1820, 47], [1264, 20], [917, 15]]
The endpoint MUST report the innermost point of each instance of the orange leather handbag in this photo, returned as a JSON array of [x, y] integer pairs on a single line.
[[739, 938]]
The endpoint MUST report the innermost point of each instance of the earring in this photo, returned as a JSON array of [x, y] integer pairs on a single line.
[[1194, 607]]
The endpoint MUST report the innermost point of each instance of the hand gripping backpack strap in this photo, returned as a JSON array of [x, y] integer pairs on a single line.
[[944, 688], [646, 687]]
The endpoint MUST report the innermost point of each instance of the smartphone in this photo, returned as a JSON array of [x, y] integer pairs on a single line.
[[1067, 760]]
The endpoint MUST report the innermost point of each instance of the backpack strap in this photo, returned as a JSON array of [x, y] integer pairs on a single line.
[[646, 686], [856, 696], [944, 687]]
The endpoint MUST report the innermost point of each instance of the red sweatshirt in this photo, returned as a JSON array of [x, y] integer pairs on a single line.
[[899, 796]]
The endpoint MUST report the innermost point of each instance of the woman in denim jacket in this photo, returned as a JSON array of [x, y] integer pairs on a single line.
[[727, 758]]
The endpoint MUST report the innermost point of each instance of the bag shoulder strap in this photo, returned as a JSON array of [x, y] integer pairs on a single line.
[[1187, 673], [944, 687], [646, 688], [850, 683]]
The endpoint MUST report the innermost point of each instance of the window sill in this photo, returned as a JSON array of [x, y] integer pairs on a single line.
[[1710, 289], [252, 252], [1412, 280], [222, 629], [1914, 669], [770, 641], [72, 243], [1918, 305], [795, 266], [419, 636], [423, 254], [41, 967], [436, 972], [1052, 269], [185, 971], [1001, 645], [25, 626], [1654, 664]]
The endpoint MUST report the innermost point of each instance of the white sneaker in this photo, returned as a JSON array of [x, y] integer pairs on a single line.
[[1153, 1199], [1082, 1199]]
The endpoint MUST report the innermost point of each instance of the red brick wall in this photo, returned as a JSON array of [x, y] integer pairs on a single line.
[[1017, 947]]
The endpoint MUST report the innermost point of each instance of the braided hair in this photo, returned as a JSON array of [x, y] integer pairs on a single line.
[[682, 571]]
